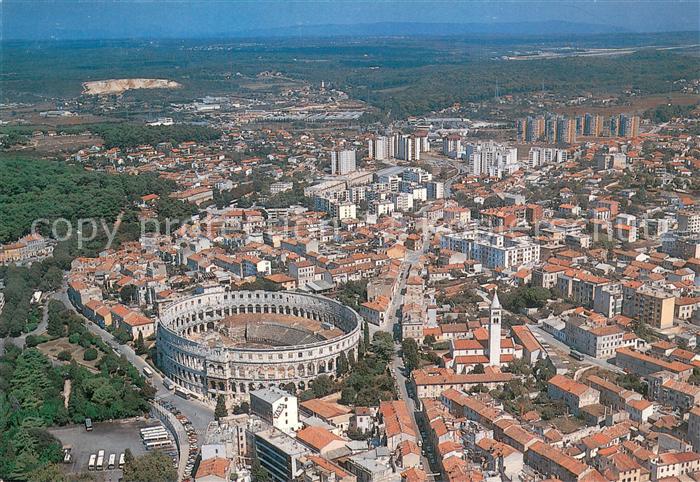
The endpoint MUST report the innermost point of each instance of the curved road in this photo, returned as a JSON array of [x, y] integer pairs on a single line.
[[197, 412], [21, 340]]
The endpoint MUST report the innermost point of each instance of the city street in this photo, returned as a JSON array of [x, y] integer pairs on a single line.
[[545, 337], [397, 367]]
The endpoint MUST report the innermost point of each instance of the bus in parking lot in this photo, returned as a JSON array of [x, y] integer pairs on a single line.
[[158, 444], [88, 424], [91, 464], [155, 436], [112, 461], [100, 464], [121, 460]]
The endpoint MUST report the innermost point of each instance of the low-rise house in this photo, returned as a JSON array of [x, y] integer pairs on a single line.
[[398, 423], [576, 395], [322, 441], [431, 382], [216, 469], [674, 465], [665, 389], [501, 457], [376, 311], [642, 364]]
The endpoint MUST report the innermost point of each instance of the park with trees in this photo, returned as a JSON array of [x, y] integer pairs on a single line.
[[32, 391]]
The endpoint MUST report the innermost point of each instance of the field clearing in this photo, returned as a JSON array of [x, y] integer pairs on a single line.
[[637, 105], [64, 143], [54, 347]]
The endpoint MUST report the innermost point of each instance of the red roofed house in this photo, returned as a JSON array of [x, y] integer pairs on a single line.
[[321, 440], [576, 395], [213, 470], [398, 423]]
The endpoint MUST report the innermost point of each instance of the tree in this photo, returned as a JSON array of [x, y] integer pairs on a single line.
[[64, 355], [351, 358], [323, 385], [139, 345], [152, 467], [429, 340], [342, 364], [411, 356], [258, 472], [347, 396], [243, 407], [90, 354], [383, 345], [632, 382], [129, 294], [220, 411], [365, 333], [49, 473], [55, 326], [478, 369], [128, 457]]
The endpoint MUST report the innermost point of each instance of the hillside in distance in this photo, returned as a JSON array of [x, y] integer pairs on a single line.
[[390, 29], [398, 75]]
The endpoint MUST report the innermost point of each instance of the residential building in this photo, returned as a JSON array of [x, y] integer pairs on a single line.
[[493, 250], [576, 395], [276, 407], [642, 364], [279, 454], [343, 162], [648, 305]]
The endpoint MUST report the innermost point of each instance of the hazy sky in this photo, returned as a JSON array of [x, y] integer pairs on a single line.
[[43, 19]]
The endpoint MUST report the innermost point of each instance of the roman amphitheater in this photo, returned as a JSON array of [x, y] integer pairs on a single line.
[[231, 342]]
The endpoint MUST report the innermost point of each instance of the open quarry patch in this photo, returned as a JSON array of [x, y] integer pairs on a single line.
[[118, 86]]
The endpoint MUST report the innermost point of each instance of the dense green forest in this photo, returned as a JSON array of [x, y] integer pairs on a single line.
[[33, 189], [131, 135], [666, 112], [124, 135], [400, 76]]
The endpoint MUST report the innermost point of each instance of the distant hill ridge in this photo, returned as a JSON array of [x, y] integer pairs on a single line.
[[432, 29]]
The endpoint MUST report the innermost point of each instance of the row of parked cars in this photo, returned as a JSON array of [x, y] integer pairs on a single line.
[[191, 437]]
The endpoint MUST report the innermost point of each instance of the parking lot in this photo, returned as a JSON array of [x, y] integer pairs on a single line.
[[112, 437]]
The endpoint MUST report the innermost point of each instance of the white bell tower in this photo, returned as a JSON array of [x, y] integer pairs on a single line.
[[495, 332]]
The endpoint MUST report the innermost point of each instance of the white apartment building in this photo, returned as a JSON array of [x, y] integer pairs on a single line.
[[276, 407], [403, 201], [689, 221], [382, 207], [493, 250], [597, 341], [491, 159], [452, 145], [278, 187], [380, 148], [343, 162], [346, 210], [416, 174], [407, 147], [436, 190], [539, 156]]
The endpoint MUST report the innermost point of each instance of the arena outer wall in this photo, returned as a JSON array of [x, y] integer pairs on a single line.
[[233, 371]]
